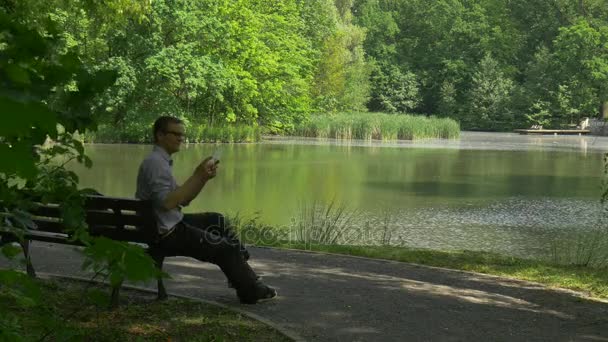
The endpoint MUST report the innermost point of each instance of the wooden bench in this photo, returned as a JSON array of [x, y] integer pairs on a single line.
[[119, 219]]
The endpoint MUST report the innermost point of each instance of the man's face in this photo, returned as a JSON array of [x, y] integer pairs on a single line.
[[171, 138]]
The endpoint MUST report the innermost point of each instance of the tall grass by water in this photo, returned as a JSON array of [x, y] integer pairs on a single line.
[[378, 126], [226, 134], [583, 249]]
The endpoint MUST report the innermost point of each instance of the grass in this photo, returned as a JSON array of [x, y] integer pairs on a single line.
[[364, 126], [378, 126], [140, 318], [225, 134], [584, 248]]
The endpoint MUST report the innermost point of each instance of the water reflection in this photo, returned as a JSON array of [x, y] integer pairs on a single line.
[[478, 141], [503, 192]]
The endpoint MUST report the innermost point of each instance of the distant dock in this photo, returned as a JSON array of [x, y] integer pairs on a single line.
[[553, 131]]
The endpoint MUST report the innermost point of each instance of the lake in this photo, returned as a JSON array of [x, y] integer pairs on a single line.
[[500, 192]]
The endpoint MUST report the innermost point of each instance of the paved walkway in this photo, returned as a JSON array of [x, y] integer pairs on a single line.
[[338, 298]]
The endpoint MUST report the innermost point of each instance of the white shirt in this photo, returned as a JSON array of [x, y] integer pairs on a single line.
[[154, 182]]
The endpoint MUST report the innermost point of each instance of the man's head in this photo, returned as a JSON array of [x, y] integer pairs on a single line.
[[169, 133]]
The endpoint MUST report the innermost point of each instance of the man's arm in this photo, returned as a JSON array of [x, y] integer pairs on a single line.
[[192, 186]]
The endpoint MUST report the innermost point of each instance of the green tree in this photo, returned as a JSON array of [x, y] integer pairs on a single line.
[[394, 91], [342, 79], [489, 97], [581, 66]]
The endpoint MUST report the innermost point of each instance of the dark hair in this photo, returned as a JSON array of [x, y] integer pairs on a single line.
[[161, 124]]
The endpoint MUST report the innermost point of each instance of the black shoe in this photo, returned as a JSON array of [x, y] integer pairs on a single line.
[[261, 293]]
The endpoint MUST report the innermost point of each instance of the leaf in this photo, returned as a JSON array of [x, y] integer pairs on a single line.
[[17, 74], [88, 163], [21, 287], [24, 116], [78, 146], [98, 297], [116, 279], [22, 160], [25, 219], [10, 251]]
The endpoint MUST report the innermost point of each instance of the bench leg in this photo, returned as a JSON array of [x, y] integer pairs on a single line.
[[157, 255], [25, 245], [162, 292], [114, 299]]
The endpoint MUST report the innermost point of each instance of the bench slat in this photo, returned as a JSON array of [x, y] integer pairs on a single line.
[[64, 239], [49, 226], [112, 219], [46, 211], [102, 202], [135, 234], [122, 234], [107, 216], [99, 217]]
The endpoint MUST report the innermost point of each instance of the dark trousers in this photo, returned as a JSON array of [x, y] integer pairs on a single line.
[[215, 223], [205, 237]]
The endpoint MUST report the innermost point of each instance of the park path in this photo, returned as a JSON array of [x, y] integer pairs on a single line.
[[339, 298]]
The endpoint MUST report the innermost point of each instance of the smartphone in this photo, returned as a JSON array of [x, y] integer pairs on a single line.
[[217, 153]]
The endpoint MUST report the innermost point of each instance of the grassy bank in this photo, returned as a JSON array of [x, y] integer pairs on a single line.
[[68, 314], [378, 126], [365, 126]]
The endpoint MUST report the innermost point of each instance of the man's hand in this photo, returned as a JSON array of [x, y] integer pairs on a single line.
[[193, 186], [207, 169]]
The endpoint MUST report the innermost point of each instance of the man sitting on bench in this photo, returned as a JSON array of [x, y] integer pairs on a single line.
[[201, 236]]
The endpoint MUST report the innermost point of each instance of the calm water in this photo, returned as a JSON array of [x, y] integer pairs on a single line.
[[500, 192]]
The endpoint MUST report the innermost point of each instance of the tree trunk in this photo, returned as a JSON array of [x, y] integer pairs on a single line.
[[604, 110], [581, 8]]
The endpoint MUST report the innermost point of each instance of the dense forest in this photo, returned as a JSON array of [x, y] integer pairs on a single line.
[[489, 64]]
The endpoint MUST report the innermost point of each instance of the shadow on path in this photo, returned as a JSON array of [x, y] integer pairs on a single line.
[[336, 298]]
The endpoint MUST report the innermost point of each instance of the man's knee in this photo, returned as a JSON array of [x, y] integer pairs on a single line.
[[215, 219]]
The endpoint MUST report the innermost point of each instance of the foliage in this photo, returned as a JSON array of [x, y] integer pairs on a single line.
[[48, 93], [329, 224], [395, 91], [492, 65], [221, 63], [144, 318], [341, 82], [489, 97]]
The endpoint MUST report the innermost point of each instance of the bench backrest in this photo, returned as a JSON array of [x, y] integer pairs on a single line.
[[117, 218]]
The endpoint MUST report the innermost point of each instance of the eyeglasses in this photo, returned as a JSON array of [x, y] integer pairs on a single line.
[[177, 134]]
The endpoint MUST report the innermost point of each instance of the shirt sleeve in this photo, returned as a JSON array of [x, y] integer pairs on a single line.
[[159, 181]]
